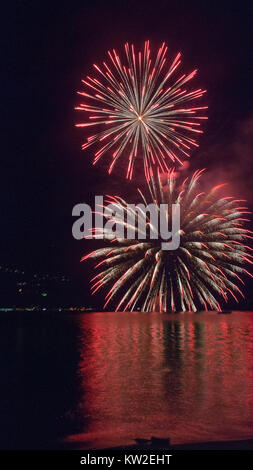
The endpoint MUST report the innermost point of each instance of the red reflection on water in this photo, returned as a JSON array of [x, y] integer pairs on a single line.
[[188, 377]]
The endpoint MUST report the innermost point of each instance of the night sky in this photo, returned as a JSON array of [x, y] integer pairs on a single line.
[[47, 48]]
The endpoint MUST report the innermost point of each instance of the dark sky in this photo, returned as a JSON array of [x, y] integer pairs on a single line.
[[46, 48]]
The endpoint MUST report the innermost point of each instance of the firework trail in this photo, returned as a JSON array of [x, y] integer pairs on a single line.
[[207, 265], [139, 108]]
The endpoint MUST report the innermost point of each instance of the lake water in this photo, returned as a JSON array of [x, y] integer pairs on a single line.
[[103, 379]]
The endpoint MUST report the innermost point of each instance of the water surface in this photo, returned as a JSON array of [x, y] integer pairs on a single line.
[[102, 379]]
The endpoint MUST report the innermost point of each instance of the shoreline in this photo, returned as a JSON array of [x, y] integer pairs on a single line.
[[244, 444]]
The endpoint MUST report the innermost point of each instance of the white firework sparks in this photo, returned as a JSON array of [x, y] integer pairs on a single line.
[[206, 266], [141, 110]]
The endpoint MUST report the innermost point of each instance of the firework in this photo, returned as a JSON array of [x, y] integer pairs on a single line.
[[139, 108], [207, 266]]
